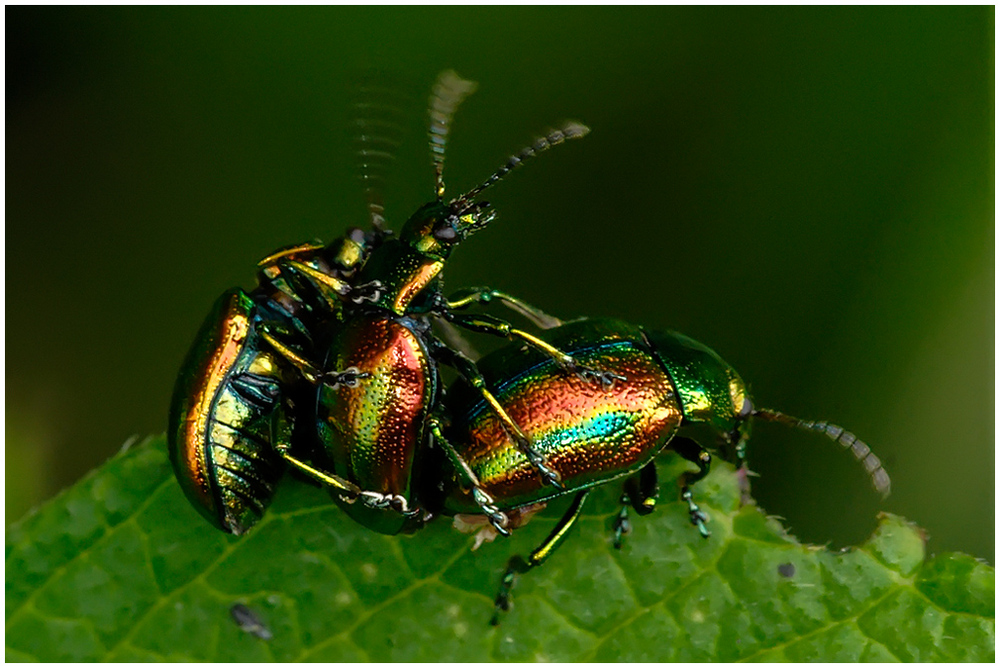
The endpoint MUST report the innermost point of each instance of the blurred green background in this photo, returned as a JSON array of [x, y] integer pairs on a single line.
[[808, 191]]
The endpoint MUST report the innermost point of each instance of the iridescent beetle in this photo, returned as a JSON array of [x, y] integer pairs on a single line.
[[253, 373], [231, 424], [373, 432], [670, 392]]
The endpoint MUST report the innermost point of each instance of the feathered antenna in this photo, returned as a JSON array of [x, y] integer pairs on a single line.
[[448, 92], [569, 130], [378, 133], [861, 451]]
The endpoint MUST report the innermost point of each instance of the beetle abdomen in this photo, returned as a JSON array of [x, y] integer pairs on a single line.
[[224, 407]]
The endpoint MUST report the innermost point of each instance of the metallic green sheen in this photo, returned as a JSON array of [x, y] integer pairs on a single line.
[[703, 380]]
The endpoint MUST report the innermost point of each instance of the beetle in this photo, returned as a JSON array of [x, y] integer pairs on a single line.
[[294, 352], [372, 432], [670, 392], [232, 415]]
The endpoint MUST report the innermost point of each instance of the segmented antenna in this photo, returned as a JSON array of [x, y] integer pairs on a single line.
[[879, 476], [377, 113], [448, 92], [569, 130]]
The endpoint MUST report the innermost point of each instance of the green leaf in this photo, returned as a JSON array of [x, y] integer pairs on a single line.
[[121, 568]]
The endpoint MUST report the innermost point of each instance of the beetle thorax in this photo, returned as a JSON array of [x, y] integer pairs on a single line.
[[404, 272]]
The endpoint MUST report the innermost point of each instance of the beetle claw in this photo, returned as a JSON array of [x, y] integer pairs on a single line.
[[550, 476], [348, 377], [591, 375], [486, 503], [387, 501], [698, 516], [366, 292]]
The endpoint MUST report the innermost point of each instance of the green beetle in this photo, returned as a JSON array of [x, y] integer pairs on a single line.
[[231, 420], [670, 392]]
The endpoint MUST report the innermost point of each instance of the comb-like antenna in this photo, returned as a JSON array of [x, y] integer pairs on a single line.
[[377, 110], [864, 454], [569, 130], [448, 92]]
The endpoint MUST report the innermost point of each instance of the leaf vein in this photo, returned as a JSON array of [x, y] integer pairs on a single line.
[[369, 612], [86, 551], [820, 629]]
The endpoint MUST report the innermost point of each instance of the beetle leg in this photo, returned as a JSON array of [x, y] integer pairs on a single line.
[[345, 487], [622, 524], [331, 288], [349, 377], [486, 324], [640, 493], [454, 339], [282, 439], [467, 297], [307, 247], [468, 370], [693, 452], [519, 564], [310, 372], [348, 491], [469, 479], [386, 501]]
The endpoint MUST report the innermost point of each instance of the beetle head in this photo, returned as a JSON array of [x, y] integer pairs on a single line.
[[436, 228]]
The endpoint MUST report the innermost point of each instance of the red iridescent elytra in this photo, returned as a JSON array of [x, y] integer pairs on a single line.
[[371, 433], [588, 433]]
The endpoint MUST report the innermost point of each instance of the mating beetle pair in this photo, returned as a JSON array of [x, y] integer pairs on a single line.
[[330, 366], [321, 320]]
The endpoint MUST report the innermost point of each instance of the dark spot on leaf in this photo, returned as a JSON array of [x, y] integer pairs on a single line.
[[786, 570], [249, 622]]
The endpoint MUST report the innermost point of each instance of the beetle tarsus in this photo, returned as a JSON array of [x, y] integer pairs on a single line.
[[348, 377], [622, 525], [393, 502], [366, 292], [499, 520], [605, 378], [501, 604], [698, 517], [549, 475]]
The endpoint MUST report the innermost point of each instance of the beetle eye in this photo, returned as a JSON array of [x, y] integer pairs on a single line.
[[445, 233], [746, 409]]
